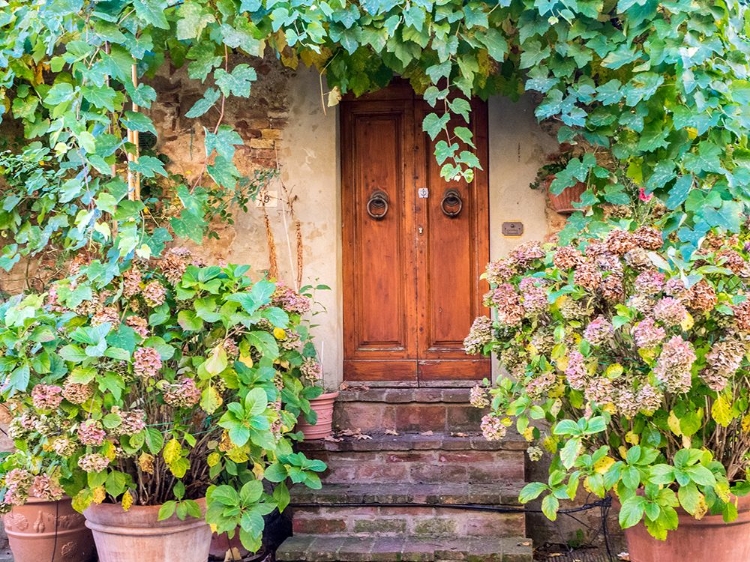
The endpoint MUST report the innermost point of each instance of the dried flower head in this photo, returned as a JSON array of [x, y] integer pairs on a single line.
[[526, 253], [509, 309], [500, 271], [576, 371], [478, 397], [598, 331], [673, 368], [182, 394], [146, 362], [670, 311], [139, 325], [702, 296], [620, 241], [91, 432], [612, 288], [649, 282], [480, 335], [567, 257], [493, 428], [46, 396], [93, 462], [154, 293], [648, 238], [647, 333]]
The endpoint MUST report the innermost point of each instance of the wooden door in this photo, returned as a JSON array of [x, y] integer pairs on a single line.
[[411, 263]]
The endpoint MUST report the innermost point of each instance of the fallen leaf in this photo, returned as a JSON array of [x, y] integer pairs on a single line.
[[459, 434], [331, 438], [624, 556], [233, 554], [391, 432], [426, 433], [361, 436], [525, 543]]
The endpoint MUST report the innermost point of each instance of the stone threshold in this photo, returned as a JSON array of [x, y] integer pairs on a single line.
[[429, 495], [403, 395], [321, 548], [416, 441]]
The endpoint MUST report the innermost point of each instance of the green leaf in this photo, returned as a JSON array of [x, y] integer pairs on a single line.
[[679, 192], [550, 505], [189, 321], [236, 83], [193, 20], [690, 498], [59, 93], [256, 402], [210, 400], [631, 511], [137, 122], [148, 166], [531, 491], [166, 510], [152, 12]]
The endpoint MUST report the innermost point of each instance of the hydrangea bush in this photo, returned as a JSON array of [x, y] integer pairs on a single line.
[[174, 382], [633, 360]]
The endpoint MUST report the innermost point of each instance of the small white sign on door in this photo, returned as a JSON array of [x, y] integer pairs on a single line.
[[423, 192]]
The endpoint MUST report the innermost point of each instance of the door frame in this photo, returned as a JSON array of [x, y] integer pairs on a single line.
[[441, 372]]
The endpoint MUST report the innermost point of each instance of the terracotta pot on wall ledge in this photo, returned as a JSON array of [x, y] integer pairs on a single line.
[[136, 535], [563, 203], [323, 406], [705, 540]]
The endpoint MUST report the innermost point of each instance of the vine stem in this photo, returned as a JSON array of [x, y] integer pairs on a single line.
[[134, 179]]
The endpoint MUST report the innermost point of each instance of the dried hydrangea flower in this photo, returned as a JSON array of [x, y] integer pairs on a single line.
[[541, 384], [649, 398], [526, 253], [478, 397], [64, 446], [599, 390], [91, 432], [47, 488], [290, 300], [620, 241], [649, 282], [106, 315], [733, 261], [131, 282], [702, 296], [596, 249], [182, 394], [588, 276], [533, 295], [627, 402], [673, 368], [146, 362], [508, 303], [231, 348], [598, 331], [647, 333], [676, 288], [46, 396], [139, 325], [576, 371], [612, 288], [637, 258], [93, 462], [670, 311], [500, 271], [535, 453], [722, 362], [567, 257], [133, 421], [648, 238], [311, 371], [154, 293], [174, 263], [493, 428]]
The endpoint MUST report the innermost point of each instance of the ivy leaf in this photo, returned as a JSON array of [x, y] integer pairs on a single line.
[[152, 12], [241, 35], [434, 124], [148, 166], [210, 97], [193, 20], [610, 93], [223, 142], [103, 97], [59, 93], [679, 192], [237, 83], [663, 173], [729, 216], [205, 59], [533, 54], [137, 122]]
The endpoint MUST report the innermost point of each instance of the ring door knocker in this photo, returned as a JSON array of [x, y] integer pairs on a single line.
[[377, 205], [452, 204]]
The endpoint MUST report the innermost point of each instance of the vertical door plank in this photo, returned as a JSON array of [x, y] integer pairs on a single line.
[[379, 269]]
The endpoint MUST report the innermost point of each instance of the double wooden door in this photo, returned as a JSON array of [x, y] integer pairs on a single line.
[[414, 246]]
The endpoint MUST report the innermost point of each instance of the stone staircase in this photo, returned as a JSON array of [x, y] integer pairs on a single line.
[[435, 490]]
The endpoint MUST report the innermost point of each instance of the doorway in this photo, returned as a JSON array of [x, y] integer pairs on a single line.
[[414, 245]]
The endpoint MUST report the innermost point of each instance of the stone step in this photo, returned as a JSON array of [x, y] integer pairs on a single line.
[[422, 510], [318, 548], [420, 459], [407, 410]]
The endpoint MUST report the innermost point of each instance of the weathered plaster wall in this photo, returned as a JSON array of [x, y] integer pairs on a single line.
[[285, 124]]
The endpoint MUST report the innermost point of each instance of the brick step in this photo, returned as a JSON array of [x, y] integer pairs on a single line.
[[495, 494], [420, 459], [407, 409], [319, 548]]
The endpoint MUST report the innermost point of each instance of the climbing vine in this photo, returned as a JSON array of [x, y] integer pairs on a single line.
[[657, 91]]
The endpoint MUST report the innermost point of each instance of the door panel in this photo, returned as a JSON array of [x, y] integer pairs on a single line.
[[411, 277], [378, 256], [456, 249]]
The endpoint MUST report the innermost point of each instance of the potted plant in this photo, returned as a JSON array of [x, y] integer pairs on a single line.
[[41, 523], [149, 387], [627, 366], [563, 202]]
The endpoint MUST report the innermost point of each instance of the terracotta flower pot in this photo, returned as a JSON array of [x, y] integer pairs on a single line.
[[323, 406], [221, 544], [48, 531], [708, 539], [563, 203], [137, 536]]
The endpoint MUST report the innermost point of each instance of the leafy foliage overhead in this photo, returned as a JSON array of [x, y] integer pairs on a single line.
[[661, 88]]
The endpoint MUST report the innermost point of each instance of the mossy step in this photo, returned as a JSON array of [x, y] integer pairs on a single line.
[[318, 548], [498, 493]]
